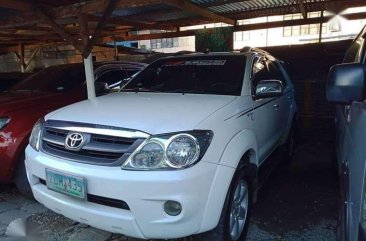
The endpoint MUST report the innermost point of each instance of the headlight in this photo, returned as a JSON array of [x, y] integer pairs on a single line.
[[4, 121], [170, 151], [34, 139], [183, 150], [151, 155]]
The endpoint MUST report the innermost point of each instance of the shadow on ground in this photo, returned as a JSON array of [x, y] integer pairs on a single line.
[[297, 203]]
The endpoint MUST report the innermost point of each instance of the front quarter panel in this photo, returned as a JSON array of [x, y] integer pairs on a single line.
[[243, 142]]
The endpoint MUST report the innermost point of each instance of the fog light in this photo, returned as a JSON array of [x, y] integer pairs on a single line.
[[172, 208]]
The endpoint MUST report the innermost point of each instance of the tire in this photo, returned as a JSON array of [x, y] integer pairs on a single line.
[[232, 211], [21, 180]]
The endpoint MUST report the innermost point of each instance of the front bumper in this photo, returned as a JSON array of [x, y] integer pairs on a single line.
[[199, 189]]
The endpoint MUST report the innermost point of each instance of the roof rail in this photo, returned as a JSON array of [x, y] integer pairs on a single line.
[[248, 49]]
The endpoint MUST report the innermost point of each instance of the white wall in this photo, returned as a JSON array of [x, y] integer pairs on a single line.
[[274, 36]]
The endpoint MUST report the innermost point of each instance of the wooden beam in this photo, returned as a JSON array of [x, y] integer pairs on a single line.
[[107, 13], [16, 54], [58, 29], [16, 4], [21, 59], [33, 55], [124, 21], [95, 6], [90, 7], [84, 29], [302, 9], [189, 7]]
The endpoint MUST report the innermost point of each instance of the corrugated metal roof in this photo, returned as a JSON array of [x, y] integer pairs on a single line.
[[247, 5], [19, 20]]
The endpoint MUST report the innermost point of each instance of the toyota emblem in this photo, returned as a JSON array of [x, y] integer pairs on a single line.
[[74, 141]]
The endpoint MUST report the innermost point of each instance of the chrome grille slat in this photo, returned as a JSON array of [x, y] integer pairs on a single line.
[[113, 148], [100, 149], [53, 139]]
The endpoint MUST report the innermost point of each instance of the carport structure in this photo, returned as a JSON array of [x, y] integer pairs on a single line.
[[84, 23]]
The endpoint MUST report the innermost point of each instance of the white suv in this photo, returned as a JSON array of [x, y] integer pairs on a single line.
[[180, 151]]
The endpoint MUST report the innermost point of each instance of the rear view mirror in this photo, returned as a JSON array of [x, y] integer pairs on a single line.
[[346, 83], [268, 88], [101, 88]]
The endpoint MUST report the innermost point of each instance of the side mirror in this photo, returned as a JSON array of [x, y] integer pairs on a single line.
[[346, 83], [101, 88], [268, 88]]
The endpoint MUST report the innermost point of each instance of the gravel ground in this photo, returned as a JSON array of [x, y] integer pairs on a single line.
[[297, 203]]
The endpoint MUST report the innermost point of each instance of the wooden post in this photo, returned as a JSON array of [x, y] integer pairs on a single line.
[[115, 51], [88, 61], [84, 29], [321, 27], [103, 21], [31, 58], [22, 61]]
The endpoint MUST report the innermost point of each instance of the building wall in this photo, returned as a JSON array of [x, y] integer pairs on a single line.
[[49, 56], [276, 36], [184, 43]]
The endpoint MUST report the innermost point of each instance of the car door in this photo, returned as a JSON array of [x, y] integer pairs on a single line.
[[351, 150], [286, 100], [355, 161], [266, 112]]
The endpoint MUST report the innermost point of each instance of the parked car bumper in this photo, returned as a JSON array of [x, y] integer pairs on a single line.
[[145, 192], [10, 150]]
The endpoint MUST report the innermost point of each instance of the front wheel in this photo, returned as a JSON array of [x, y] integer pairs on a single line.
[[234, 220], [21, 180]]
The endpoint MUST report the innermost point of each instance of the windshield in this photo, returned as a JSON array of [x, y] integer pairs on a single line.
[[220, 75], [58, 78]]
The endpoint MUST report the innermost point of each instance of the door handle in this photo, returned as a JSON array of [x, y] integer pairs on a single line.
[[276, 106]]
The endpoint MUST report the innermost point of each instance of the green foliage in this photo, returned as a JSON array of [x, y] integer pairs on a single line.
[[214, 40]]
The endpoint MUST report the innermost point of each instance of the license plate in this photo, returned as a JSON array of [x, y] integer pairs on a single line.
[[67, 184]]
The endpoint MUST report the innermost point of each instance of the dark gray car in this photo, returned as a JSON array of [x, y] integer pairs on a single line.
[[347, 88]]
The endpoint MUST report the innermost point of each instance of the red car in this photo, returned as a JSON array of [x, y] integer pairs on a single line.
[[39, 94]]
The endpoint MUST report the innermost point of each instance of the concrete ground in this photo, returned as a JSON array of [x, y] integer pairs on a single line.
[[298, 203]]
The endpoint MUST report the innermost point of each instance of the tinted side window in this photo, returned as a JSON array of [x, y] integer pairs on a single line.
[[354, 53], [266, 70], [276, 73], [71, 80], [58, 78], [260, 71], [111, 77]]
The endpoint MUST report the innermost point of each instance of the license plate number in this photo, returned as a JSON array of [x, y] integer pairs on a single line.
[[63, 183]]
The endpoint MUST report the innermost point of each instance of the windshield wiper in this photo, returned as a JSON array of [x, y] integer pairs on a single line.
[[138, 89]]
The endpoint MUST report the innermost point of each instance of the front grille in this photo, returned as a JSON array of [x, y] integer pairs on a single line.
[[110, 202], [98, 149]]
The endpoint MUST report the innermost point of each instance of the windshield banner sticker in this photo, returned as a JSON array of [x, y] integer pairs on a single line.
[[197, 63]]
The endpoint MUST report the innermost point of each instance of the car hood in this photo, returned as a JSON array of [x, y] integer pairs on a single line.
[[153, 113], [22, 100]]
